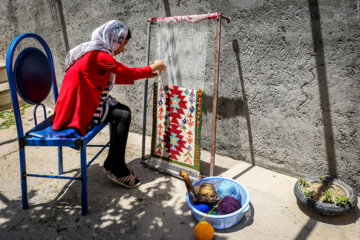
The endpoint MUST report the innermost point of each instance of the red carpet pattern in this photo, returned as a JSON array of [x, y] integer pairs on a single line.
[[177, 125]]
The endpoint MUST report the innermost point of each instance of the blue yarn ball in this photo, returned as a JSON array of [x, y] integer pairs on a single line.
[[227, 188], [202, 207]]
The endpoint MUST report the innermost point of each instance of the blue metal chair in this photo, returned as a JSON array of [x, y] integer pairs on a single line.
[[31, 78]]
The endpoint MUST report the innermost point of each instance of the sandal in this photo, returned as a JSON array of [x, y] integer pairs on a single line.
[[129, 181]]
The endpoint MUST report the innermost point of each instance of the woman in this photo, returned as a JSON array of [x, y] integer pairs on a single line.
[[84, 100]]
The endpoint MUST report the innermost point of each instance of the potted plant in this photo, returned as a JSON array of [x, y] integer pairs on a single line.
[[325, 195]]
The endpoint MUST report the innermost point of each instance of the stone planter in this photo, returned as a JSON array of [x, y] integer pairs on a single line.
[[321, 207], [5, 98]]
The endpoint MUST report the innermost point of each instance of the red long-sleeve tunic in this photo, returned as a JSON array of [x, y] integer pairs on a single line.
[[83, 84]]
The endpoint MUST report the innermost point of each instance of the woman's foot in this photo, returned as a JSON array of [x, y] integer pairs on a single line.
[[129, 181], [107, 166]]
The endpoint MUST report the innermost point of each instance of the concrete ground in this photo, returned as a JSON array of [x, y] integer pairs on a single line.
[[155, 210]]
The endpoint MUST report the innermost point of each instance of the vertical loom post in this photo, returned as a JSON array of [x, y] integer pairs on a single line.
[[216, 83], [145, 93]]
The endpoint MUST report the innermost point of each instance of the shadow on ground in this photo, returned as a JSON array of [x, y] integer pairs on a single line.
[[141, 213], [345, 219]]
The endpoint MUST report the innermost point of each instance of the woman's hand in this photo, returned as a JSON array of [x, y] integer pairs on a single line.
[[155, 74], [157, 67]]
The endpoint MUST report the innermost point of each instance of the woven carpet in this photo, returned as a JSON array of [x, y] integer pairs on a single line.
[[177, 117]]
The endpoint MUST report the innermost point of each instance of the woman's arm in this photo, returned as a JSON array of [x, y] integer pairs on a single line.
[[126, 75]]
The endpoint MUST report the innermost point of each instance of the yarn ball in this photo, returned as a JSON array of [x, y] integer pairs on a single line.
[[227, 188], [203, 231], [202, 207], [228, 205], [214, 212], [206, 189]]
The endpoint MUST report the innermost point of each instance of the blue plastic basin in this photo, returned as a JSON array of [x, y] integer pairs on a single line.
[[221, 221]]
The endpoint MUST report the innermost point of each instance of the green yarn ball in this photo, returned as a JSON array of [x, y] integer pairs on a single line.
[[214, 212]]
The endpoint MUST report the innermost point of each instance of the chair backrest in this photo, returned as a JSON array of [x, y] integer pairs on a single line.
[[31, 77]]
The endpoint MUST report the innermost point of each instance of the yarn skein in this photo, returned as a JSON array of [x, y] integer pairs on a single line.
[[204, 231], [228, 205], [214, 212], [206, 189], [202, 207], [227, 188]]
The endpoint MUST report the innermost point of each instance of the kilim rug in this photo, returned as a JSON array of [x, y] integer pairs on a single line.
[[176, 135]]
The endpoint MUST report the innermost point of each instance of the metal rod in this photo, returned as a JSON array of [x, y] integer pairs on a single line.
[[145, 93], [23, 179], [104, 146], [60, 161], [34, 112], [83, 180], [95, 145], [52, 176], [216, 83]]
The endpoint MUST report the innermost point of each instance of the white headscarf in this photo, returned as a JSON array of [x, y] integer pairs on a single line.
[[107, 37]]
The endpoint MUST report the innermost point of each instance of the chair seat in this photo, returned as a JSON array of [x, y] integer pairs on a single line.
[[44, 135], [45, 130]]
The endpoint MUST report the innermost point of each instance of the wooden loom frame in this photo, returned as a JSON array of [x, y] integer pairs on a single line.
[[216, 83]]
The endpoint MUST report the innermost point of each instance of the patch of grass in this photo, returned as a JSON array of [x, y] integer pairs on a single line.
[[8, 118]]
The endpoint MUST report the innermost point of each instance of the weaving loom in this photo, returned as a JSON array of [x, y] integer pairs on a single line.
[[178, 93]]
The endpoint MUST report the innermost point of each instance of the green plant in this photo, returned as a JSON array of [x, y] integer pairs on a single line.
[[324, 181], [327, 196], [304, 183], [342, 200], [309, 193], [8, 117]]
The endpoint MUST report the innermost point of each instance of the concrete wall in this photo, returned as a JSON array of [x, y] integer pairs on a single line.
[[288, 98]]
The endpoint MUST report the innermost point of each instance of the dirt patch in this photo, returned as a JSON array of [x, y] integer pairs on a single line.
[[324, 191]]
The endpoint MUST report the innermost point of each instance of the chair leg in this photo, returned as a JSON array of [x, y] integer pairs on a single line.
[[25, 203], [60, 159], [83, 180]]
